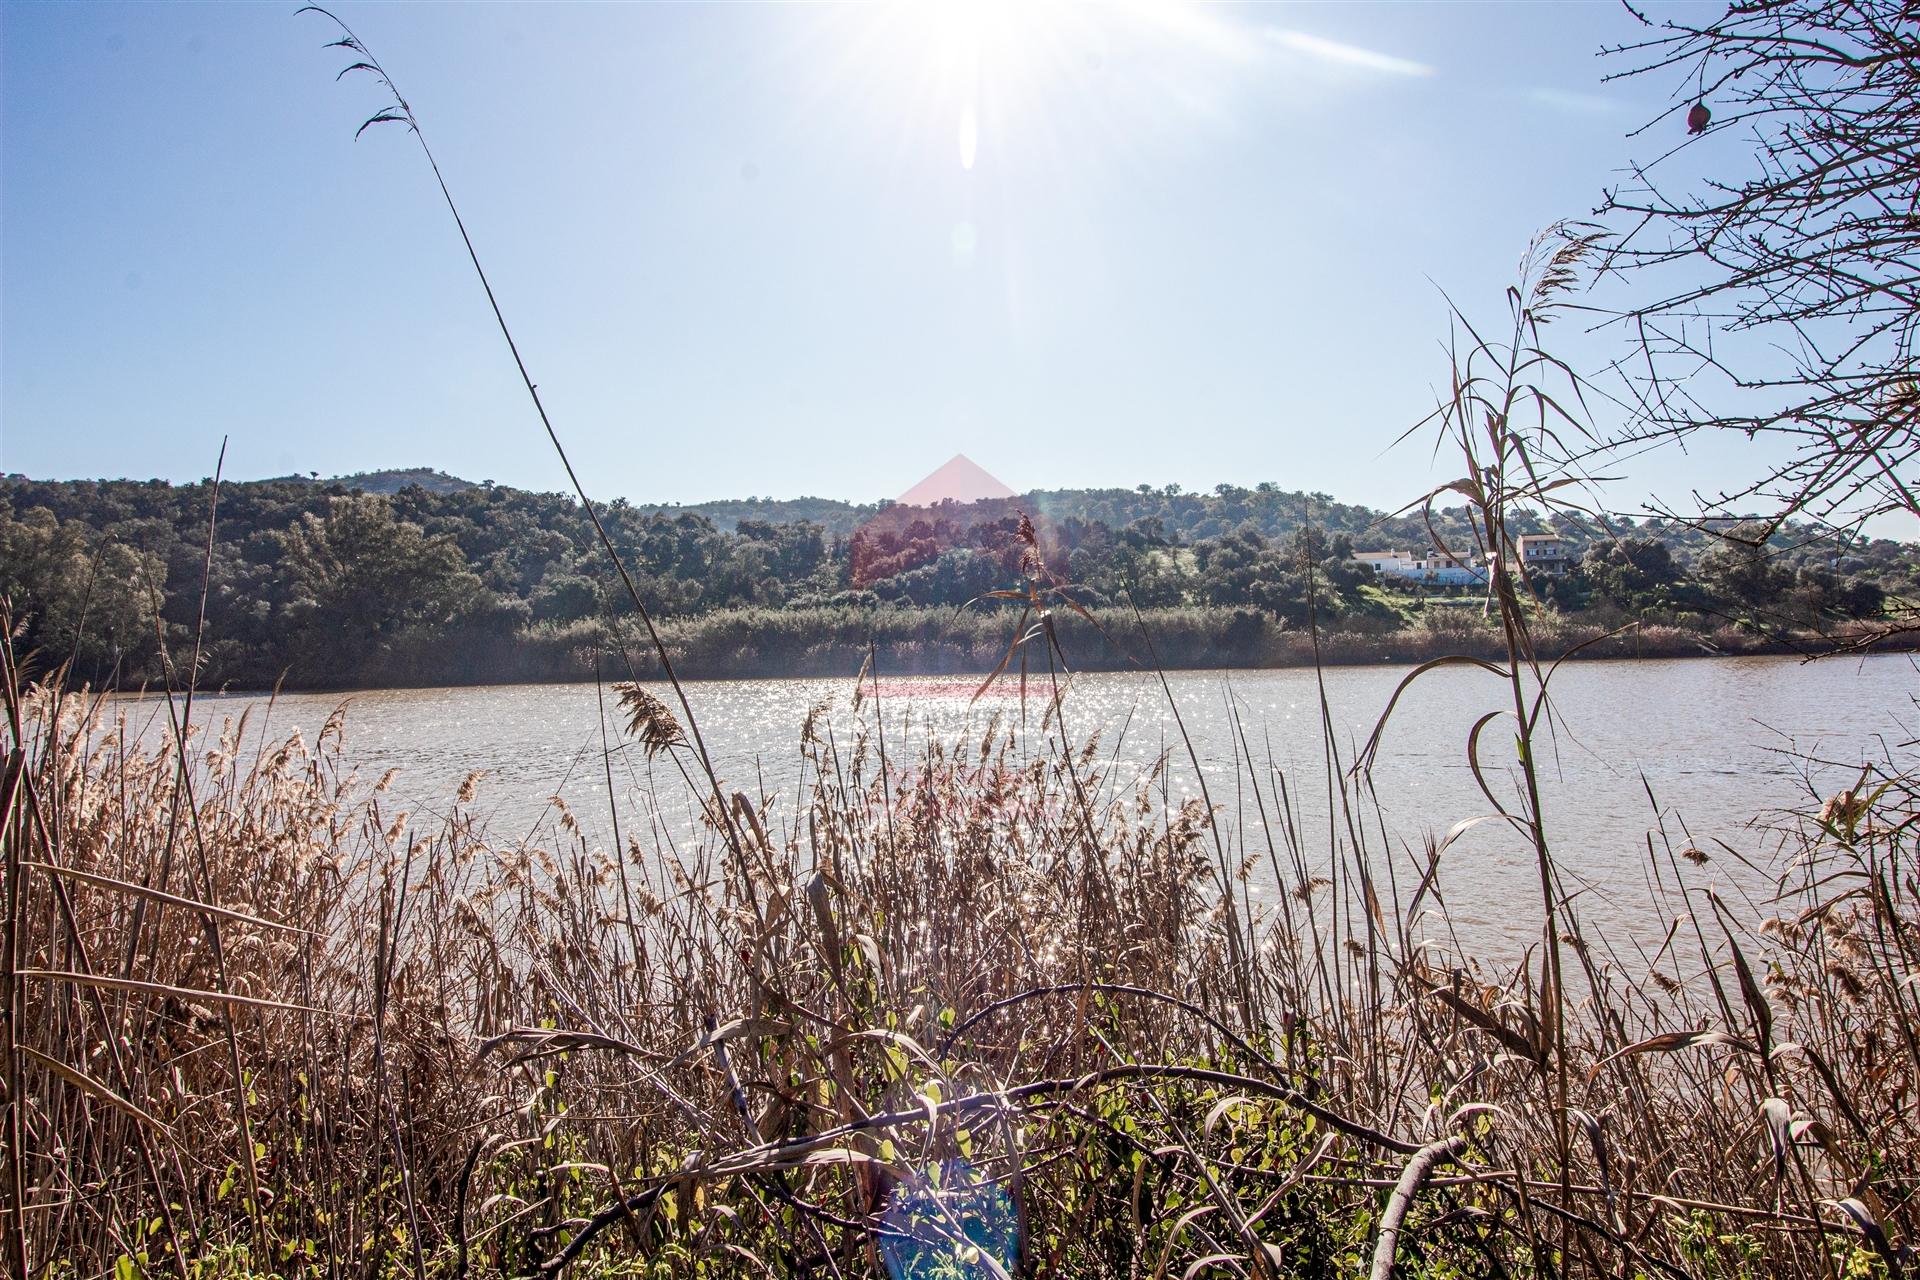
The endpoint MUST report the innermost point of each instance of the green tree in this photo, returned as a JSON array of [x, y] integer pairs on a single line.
[[78, 594], [1741, 571], [1629, 573], [365, 584]]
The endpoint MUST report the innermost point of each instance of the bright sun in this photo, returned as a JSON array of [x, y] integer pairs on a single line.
[[978, 63], [1023, 94], [992, 44]]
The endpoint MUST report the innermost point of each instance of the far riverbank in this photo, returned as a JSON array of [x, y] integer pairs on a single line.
[[812, 643]]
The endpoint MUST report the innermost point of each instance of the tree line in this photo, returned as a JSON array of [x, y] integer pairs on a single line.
[[335, 584]]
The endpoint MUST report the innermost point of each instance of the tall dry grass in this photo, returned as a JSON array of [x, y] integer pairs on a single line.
[[952, 1009]]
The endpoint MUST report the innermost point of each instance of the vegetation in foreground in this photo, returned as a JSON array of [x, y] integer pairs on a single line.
[[1000, 1008]]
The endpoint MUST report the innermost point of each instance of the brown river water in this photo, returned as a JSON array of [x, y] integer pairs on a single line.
[[1703, 753]]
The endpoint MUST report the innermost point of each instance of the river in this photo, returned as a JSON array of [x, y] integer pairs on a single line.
[[1700, 753]]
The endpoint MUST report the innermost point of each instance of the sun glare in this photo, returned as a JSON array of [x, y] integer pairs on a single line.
[[980, 58], [969, 136], [979, 74], [974, 66]]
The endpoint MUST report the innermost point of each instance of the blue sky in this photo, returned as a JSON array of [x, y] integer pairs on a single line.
[[784, 250]]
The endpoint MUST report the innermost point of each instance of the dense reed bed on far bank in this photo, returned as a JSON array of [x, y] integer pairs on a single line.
[[752, 643], [832, 641]]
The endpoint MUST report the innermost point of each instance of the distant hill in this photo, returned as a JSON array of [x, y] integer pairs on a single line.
[[1274, 511], [430, 578], [387, 482], [1166, 511], [427, 478], [830, 514]]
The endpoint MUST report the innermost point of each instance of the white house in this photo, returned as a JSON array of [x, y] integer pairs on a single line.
[[1386, 561], [1435, 570]]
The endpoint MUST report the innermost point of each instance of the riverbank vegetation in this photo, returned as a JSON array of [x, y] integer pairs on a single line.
[[319, 586]]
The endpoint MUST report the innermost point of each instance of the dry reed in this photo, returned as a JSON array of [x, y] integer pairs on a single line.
[[979, 1010]]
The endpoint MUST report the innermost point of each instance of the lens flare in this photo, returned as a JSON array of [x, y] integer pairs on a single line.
[[952, 1224]]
